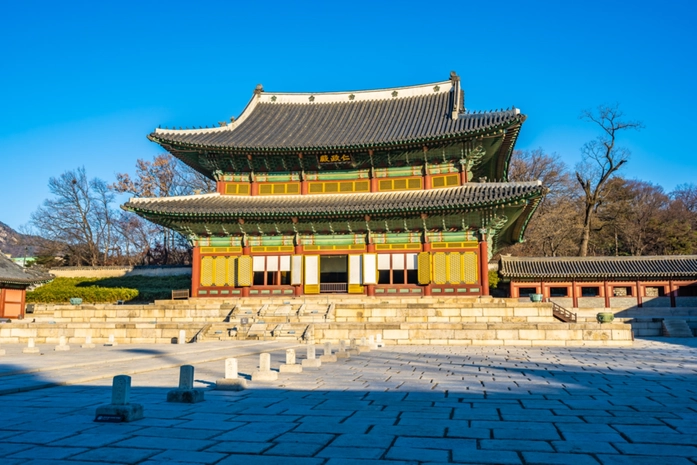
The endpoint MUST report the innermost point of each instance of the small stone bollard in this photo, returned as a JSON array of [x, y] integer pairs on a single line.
[[342, 350], [62, 346], [378, 341], [120, 409], [185, 394], [182, 337], [371, 342], [231, 382], [327, 355], [353, 348], [290, 366], [264, 373], [311, 361], [88, 343], [364, 347], [112, 342], [31, 347]]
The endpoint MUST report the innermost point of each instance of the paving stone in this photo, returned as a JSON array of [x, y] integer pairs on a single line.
[[641, 460], [486, 456], [515, 445], [544, 458], [664, 450], [422, 455], [187, 456], [352, 452], [294, 449], [116, 455], [269, 460]]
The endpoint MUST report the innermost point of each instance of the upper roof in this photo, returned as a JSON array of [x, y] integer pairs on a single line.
[[11, 273], [334, 120], [468, 196], [662, 266]]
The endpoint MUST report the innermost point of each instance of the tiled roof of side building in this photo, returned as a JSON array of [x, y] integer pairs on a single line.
[[11, 273], [664, 266], [469, 196], [387, 117]]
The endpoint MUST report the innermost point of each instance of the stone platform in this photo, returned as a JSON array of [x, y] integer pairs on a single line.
[[403, 320]]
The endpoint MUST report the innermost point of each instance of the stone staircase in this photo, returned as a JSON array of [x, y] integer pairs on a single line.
[[676, 328]]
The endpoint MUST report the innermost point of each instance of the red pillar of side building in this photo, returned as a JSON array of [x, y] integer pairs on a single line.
[[195, 270], [426, 247], [484, 265], [246, 250], [298, 288]]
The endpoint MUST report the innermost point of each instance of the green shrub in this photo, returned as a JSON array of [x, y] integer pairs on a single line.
[[104, 290]]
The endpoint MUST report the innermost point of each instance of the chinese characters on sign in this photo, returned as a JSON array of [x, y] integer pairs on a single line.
[[334, 159]]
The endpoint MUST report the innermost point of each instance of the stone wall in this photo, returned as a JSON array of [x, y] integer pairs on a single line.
[[118, 271]]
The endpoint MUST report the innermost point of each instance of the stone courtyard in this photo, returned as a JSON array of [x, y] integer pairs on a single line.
[[394, 405]]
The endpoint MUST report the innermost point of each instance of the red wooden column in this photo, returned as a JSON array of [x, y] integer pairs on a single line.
[[195, 270], [484, 265], [639, 299], [606, 290], [672, 291], [427, 174], [574, 294]]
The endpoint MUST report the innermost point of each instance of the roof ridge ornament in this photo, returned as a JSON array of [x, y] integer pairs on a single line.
[[258, 89], [458, 98]]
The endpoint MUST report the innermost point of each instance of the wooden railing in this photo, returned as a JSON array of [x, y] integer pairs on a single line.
[[560, 313], [333, 287]]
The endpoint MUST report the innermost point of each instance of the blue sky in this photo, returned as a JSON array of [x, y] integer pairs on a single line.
[[83, 83]]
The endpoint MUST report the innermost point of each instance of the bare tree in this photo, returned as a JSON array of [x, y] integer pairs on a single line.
[[601, 159], [78, 216]]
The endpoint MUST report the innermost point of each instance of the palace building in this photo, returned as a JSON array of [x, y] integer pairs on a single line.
[[398, 191]]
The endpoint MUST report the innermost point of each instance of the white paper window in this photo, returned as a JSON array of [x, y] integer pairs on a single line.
[[296, 276], [285, 263], [355, 269], [383, 261], [412, 261], [272, 263], [370, 265], [398, 261], [258, 263], [311, 269]]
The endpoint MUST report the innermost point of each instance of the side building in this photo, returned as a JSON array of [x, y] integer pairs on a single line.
[[14, 281], [396, 191]]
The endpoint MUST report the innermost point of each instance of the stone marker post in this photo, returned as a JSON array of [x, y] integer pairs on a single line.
[[311, 361], [378, 341], [342, 350], [88, 342], [182, 337], [371, 342], [31, 347], [353, 348], [62, 346], [120, 408], [327, 355], [112, 341], [364, 347], [290, 366], [185, 394], [232, 381], [264, 373]]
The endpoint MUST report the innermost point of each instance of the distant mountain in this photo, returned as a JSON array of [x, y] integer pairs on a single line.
[[19, 245]]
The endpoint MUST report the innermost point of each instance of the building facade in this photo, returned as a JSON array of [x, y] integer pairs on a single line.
[[14, 281], [396, 191], [611, 282]]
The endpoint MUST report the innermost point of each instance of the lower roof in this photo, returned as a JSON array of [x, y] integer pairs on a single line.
[[662, 266], [469, 196]]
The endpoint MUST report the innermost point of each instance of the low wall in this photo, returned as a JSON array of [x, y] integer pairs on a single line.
[[118, 271], [481, 334]]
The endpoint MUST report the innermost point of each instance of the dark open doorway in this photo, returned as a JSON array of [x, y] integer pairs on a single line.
[[333, 275]]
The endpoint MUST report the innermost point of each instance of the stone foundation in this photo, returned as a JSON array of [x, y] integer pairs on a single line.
[[434, 320]]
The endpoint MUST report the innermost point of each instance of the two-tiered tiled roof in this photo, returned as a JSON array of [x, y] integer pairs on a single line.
[[665, 267]]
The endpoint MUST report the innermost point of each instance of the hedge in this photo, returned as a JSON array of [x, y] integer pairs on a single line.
[[104, 290]]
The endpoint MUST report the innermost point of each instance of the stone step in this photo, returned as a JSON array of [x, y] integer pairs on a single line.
[[676, 328]]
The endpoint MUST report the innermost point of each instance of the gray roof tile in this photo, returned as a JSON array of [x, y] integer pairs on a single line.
[[664, 266], [11, 273]]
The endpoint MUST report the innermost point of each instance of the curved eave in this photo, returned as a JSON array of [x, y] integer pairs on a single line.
[[406, 143], [529, 198]]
